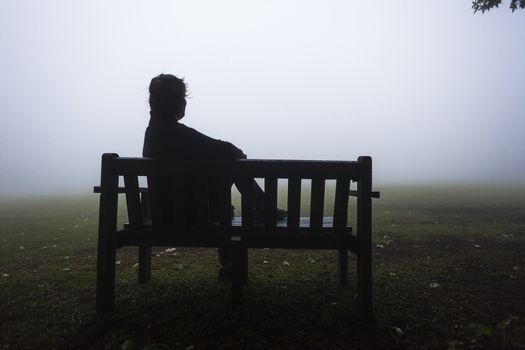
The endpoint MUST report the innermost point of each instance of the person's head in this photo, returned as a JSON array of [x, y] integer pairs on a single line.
[[167, 97]]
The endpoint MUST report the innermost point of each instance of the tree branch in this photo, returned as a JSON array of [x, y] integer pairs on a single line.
[[486, 5]]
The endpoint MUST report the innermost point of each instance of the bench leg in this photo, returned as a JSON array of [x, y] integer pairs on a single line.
[[144, 264], [364, 285], [342, 266], [244, 264], [237, 272], [105, 279]]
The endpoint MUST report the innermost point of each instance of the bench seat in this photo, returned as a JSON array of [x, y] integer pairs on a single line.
[[281, 236]]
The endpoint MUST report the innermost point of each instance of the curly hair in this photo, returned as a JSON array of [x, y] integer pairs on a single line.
[[167, 95]]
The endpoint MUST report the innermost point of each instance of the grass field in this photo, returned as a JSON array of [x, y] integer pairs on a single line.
[[449, 273]]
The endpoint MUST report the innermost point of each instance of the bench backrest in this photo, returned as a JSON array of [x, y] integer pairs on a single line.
[[169, 181]]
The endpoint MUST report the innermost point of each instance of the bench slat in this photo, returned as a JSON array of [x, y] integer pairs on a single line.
[[133, 200], [280, 237], [248, 168], [317, 203], [270, 202], [294, 202], [342, 188], [225, 201], [156, 200], [236, 222], [247, 203]]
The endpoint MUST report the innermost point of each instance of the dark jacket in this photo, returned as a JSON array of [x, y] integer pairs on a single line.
[[173, 140]]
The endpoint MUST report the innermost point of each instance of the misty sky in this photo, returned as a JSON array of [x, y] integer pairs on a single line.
[[428, 89]]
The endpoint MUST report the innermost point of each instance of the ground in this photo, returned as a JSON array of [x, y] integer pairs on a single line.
[[449, 273]]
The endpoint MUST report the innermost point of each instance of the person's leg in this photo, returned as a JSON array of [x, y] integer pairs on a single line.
[[225, 257], [245, 185]]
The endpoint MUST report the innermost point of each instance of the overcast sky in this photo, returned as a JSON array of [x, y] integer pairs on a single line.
[[428, 89]]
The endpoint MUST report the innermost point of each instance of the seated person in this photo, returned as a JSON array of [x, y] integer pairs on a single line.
[[167, 138]]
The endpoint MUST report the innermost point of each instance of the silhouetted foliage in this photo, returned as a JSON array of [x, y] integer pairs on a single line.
[[485, 5]]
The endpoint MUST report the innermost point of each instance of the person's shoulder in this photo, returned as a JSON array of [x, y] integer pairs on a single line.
[[161, 125], [213, 148], [186, 129], [191, 132]]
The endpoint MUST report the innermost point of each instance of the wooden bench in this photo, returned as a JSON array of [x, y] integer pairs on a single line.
[[146, 228]]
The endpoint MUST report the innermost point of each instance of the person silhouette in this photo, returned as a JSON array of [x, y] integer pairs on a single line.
[[167, 138]]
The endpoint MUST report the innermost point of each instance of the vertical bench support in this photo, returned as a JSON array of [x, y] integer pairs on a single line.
[[238, 268], [107, 227], [342, 189], [144, 250], [247, 208], [137, 204], [364, 237]]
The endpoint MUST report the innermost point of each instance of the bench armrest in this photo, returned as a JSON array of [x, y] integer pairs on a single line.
[[373, 194], [98, 189]]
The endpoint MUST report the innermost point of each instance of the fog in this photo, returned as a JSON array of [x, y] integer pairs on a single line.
[[431, 91]]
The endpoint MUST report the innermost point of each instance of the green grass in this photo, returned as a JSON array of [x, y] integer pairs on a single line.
[[449, 272]]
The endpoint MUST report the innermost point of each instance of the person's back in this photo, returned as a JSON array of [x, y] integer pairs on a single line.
[[173, 140]]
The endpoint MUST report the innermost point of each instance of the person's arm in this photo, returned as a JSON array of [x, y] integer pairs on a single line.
[[237, 153]]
